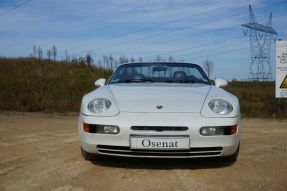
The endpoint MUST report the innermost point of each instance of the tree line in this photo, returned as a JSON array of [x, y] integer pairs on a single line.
[[108, 62]]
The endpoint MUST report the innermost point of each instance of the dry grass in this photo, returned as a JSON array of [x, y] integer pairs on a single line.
[[33, 85], [257, 99]]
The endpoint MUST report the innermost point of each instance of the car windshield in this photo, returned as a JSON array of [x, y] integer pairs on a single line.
[[159, 72]]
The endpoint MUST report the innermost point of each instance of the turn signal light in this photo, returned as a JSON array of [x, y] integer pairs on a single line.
[[218, 130], [86, 127], [101, 129], [233, 129]]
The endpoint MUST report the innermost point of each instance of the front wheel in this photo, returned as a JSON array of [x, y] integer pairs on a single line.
[[232, 158]]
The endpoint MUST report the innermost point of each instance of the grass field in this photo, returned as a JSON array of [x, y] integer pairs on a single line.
[[257, 99], [30, 85]]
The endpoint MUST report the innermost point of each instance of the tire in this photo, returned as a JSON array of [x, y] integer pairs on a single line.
[[232, 158], [88, 156]]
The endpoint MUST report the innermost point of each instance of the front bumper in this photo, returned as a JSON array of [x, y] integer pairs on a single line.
[[119, 144]]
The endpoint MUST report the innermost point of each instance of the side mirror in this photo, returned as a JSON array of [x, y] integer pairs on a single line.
[[220, 82], [100, 82]]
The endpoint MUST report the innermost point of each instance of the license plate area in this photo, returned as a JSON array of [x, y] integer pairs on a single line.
[[156, 142]]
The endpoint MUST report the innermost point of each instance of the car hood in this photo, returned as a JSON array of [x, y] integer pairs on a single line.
[[173, 98]]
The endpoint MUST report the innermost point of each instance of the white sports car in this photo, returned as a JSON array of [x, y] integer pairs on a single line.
[[159, 109]]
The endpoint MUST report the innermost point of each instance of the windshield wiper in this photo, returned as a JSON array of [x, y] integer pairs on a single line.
[[133, 81], [179, 81]]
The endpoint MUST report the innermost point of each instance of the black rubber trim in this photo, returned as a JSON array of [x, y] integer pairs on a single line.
[[159, 128], [157, 154], [193, 149]]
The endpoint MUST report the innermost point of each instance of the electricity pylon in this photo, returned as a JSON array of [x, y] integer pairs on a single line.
[[260, 37]]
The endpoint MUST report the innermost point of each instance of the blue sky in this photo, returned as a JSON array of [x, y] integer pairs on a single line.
[[187, 30]]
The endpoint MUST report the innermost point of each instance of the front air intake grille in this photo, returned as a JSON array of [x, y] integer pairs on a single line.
[[126, 151], [158, 128]]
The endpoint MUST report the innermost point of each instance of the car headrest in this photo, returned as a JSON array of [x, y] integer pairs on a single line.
[[179, 76], [137, 77]]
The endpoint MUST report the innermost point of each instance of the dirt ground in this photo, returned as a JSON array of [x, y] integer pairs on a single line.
[[42, 152]]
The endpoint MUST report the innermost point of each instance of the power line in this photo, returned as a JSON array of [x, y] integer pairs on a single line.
[[200, 45], [184, 36], [213, 52], [117, 44], [205, 44], [197, 46], [216, 48], [180, 38], [155, 26], [216, 52], [15, 7]]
